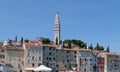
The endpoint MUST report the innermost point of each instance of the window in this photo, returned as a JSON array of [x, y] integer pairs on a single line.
[[33, 58], [39, 64], [80, 59], [65, 66], [53, 58], [43, 48], [67, 51], [28, 61], [33, 64], [3, 56], [2, 50], [10, 58], [28, 54], [75, 52], [75, 56], [53, 49], [84, 70], [67, 60], [57, 65], [49, 58], [47, 64], [67, 56], [39, 58], [40, 51], [49, 53], [50, 48], [32, 50], [36, 50], [63, 61]]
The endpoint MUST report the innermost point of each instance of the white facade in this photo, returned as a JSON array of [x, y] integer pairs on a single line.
[[57, 29]]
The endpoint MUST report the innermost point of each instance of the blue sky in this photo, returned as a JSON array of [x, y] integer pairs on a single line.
[[92, 21]]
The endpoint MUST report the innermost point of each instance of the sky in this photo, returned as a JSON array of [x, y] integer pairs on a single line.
[[92, 21]]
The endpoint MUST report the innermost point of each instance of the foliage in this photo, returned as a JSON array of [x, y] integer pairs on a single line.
[[71, 43], [21, 39], [26, 40], [91, 47], [16, 39], [108, 50], [98, 47], [45, 41]]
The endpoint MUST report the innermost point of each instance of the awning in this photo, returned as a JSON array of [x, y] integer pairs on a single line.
[[29, 68], [42, 68]]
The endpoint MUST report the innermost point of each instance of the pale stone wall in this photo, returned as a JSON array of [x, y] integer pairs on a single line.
[[15, 58], [37, 55]]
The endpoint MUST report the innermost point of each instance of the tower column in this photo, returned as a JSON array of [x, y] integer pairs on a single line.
[[57, 29]]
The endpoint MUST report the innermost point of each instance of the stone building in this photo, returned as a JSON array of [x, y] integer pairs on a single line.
[[36, 54], [110, 60], [12, 55]]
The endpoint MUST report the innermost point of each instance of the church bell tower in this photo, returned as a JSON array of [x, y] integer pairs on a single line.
[[57, 29]]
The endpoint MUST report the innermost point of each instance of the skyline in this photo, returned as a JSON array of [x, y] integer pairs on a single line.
[[90, 21]]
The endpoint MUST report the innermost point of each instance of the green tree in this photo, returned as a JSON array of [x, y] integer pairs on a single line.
[[45, 41], [60, 41], [108, 50], [91, 47], [85, 45], [26, 40], [74, 42], [21, 39], [16, 39], [98, 47], [67, 43]]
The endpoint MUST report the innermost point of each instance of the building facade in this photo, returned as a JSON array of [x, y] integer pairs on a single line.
[[36, 54]]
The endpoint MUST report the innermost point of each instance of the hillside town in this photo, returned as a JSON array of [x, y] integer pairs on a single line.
[[27, 55]]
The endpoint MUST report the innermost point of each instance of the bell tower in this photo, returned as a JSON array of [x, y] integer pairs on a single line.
[[57, 29]]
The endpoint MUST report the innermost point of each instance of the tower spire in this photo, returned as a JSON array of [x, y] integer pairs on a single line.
[[57, 29], [57, 21]]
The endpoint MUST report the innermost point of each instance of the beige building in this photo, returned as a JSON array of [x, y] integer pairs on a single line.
[[2, 54], [111, 61], [76, 58], [33, 54], [36, 54], [12, 55], [65, 59]]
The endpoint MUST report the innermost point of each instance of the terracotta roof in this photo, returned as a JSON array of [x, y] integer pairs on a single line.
[[74, 49], [12, 47], [20, 49], [37, 44], [110, 53], [107, 53]]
